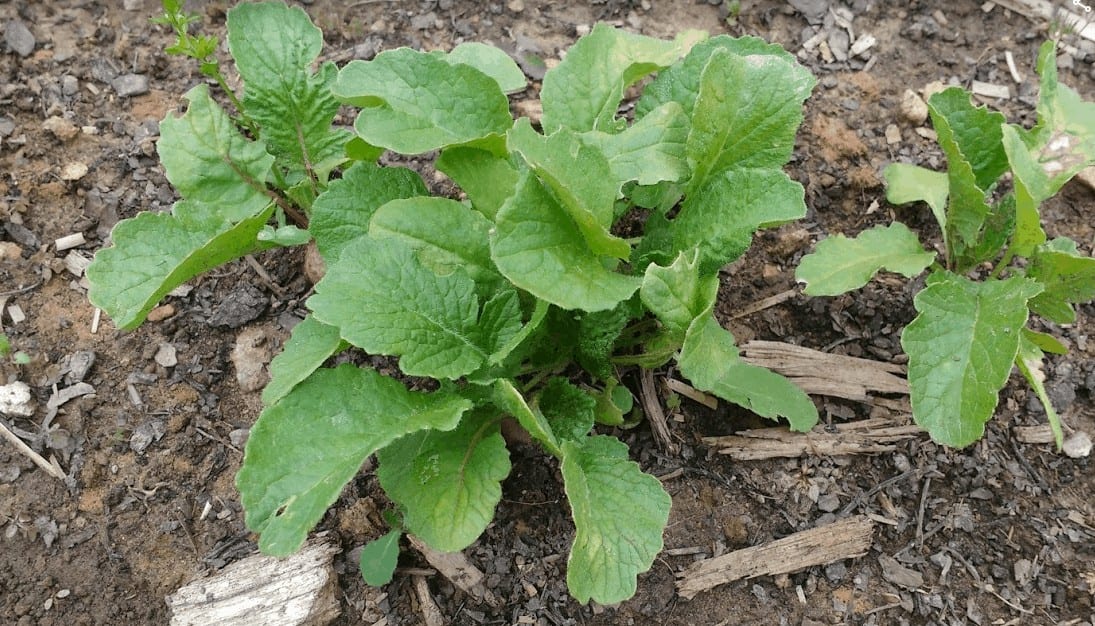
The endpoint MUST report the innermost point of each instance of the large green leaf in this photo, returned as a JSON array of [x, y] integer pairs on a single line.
[[343, 212], [678, 294], [447, 483], [580, 178], [839, 264], [383, 300], [311, 343], [507, 398], [291, 474], [155, 252], [274, 47], [650, 151], [713, 363], [491, 61], [911, 183], [487, 178], [207, 159], [414, 102], [539, 248], [961, 347], [567, 408], [619, 513], [1067, 276], [583, 92]]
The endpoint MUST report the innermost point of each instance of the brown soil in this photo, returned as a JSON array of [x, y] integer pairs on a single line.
[[1002, 532]]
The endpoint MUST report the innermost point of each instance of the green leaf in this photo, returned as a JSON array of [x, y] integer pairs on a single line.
[[274, 47], [383, 300], [488, 179], [619, 513], [446, 234], [311, 343], [912, 183], [678, 294], [583, 92], [649, 151], [839, 264], [1029, 361], [746, 114], [579, 176], [1044, 342], [379, 558], [290, 474], [414, 102], [540, 249], [568, 409], [492, 62], [343, 212], [680, 82], [1068, 278], [207, 159], [712, 362], [597, 335], [613, 403], [155, 252], [961, 347], [447, 483], [507, 398], [285, 236]]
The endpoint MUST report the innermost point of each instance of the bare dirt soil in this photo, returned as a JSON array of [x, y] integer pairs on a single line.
[[1000, 533]]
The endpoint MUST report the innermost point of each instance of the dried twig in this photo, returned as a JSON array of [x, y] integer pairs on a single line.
[[654, 413], [768, 302], [859, 437], [41, 462]]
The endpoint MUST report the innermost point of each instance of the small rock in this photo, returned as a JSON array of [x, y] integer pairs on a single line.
[[931, 89], [166, 355], [898, 574], [516, 5], [70, 85], [314, 267], [893, 134], [1022, 570], [7, 126], [836, 572], [74, 171], [813, 10], [79, 364], [19, 38], [839, 43], [16, 399], [161, 313], [238, 437], [133, 5], [913, 109], [145, 434], [244, 304], [130, 85], [61, 128], [10, 251], [250, 356], [424, 21], [828, 503], [21, 234], [1077, 445]]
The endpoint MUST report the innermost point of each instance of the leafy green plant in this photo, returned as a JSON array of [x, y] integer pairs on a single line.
[[997, 266], [582, 247], [17, 357]]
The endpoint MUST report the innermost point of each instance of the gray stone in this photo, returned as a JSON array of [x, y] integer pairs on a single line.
[[7, 126], [128, 85], [828, 503], [19, 38], [813, 10], [241, 306], [898, 574], [145, 434], [22, 235], [250, 355], [16, 399]]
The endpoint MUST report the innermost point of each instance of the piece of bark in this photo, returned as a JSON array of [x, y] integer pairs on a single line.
[[860, 437], [845, 539], [1054, 12], [654, 414], [301, 590], [821, 373], [430, 613], [457, 569]]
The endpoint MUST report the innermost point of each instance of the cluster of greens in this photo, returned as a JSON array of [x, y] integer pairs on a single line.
[[998, 266], [582, 247]]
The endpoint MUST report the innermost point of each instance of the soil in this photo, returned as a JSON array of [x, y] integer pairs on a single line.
[[1000, 533]]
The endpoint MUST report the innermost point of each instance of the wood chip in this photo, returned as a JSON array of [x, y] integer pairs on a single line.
[[430, 613], [861, 437], [846, 539], [1015, 75], [654, 414], [990, 90], [458, 570], [1077, 20], [301, 590], [692, 393], [863, 44], [69, 241], [821, 373], [15, 312], [898, 574], [76, 263]]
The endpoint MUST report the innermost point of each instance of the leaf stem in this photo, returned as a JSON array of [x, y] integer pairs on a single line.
[[1003, 264]]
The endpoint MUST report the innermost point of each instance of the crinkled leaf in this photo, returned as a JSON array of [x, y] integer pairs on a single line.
[[413, 102], [446, 234], [311, 343], [274, 47], [649, 151], [343, 212], [680, 82], [568, 409], [911, 183], [155, 252], [597, 335], [487, 178], [580, 178], [447, 483], [838, 264], [492, 62], [379, 558], [1068, 278], [619, 513], [1030, 364], [678, 294], [540, 249], [961, 347], [583, 92], [383, 300], [510, 400], [290, 474], [746, 114], [712, 362], [207, 159]]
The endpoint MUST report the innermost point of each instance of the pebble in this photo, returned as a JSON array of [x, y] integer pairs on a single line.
[[10, 251], [813, 10], [238, 437], [161, 313], [913, 109], [166, 355], [74, 171], [16, 399], [22, 235], [898, 574], [145, 434], [828, 503], [1077, 445], [130, 85], [61, 128], [839, 43], [893, 134], [19, 38], [79, 364], [7, 126], [250, 356], [244, 304]]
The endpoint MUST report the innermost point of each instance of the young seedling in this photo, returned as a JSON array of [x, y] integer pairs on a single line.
[[997, 267], [584, 245]]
